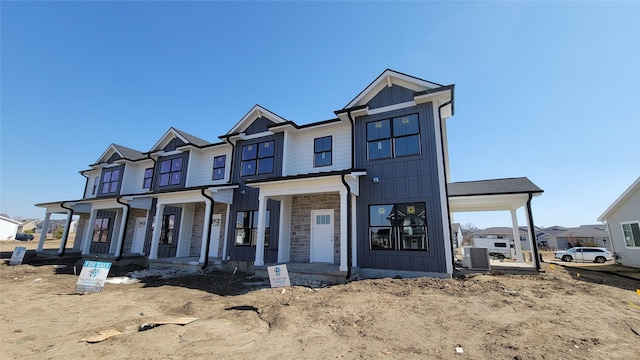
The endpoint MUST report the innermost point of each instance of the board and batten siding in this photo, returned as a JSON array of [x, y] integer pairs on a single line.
[[300, 154]]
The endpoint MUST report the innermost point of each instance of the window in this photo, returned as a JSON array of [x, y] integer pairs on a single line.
[[631, 233], [110, 181], [148, 175], [167, 232], [218, 167], [96, 181], [396, 137], [398, 227], [101, 230], [171, 171], [322, 151], [247, 228], [257, 158]]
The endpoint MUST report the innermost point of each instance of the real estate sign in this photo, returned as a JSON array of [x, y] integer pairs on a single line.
[[18, 255], [93, 276], [278, 276]]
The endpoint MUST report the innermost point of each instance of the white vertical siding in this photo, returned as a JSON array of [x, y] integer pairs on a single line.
[[300, 149]]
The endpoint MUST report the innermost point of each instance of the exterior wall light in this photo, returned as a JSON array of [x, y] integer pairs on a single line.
[[375, 180]]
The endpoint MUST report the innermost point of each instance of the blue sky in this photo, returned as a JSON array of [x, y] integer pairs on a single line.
[[546, 90]]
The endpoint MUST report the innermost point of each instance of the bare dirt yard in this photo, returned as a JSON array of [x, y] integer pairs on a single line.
[[567, 312]]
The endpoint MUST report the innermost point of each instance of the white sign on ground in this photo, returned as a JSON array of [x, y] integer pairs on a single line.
[[18, 255], [93, 276], [278, 276]]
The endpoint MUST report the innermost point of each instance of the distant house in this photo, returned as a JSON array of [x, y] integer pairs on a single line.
[[623, 222], [457, 237], [29, 225], [8, 227], [505, 233]]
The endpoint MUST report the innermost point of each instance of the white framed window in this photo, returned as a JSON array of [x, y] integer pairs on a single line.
[[631, 233]]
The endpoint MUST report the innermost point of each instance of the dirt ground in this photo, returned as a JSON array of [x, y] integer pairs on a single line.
[[567, 312]]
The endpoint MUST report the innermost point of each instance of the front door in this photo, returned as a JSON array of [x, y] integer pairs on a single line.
[[322, 236], [102, 232], [138, 236], [214, 239], [169, 232]]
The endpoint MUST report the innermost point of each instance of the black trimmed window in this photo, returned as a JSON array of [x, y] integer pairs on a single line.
[[631, 233], [398, 227], [101, 230], [171, 171], [257, 158], [322, 151], [167, 231], [148, 176], [395, 137], [96, 181], [111, 180], [219, 163], [247, 228]]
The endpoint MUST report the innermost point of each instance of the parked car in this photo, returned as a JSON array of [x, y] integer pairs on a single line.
[[24, 237], [591, 254]]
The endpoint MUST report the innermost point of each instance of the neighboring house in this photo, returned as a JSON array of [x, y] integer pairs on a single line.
[[561, 238], [504, 233], [363, 194], [8, 227], [457, 237], [30, 225], [623, 222]]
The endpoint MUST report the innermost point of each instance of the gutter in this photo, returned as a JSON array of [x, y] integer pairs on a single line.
[[206, 257], [68, 224], [532, 233], [446, 182], [124, 233]]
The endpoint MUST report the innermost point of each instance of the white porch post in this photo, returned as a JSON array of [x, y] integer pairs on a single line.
[[86, 241], [354, 232], [155, 236], [343, 229], [226, 232], [43, 233], [65, 233], [262, 214], [205, 232], [516, 236], [125, 214]]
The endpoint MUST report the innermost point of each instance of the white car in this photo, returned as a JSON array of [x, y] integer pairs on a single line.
[[591, 254]]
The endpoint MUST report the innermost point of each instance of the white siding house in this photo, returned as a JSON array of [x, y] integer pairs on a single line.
[[623, 221], [8, 228]]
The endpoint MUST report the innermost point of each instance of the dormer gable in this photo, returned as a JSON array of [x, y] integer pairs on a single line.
[[174, 138], [256, 121], [391, 87], [115, 153]]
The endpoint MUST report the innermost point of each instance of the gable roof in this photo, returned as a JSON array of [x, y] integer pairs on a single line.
[[626, 195], [185, 137], [123, 151], [388, 78], [520, 185], [8, 219], [256, 112]]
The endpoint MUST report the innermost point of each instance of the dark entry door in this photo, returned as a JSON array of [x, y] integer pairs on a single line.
[[102, 232], [169, 229]]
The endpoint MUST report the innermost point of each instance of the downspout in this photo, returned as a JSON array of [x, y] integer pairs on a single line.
[[233, 150], [349, 215], [154, 171], [124, 233], [206, 257], [532, 230], [446, 181], [64, 241]]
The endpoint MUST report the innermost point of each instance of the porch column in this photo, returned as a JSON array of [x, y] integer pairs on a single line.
[[65, 233], [86, 241], [516, 236], [43, 233], [354, 232], [155, 236], [226, 232], [121, 234], [262, 214], [206, 232], [343, 229]]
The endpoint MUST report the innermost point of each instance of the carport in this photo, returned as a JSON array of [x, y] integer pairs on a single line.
[[499, 195]]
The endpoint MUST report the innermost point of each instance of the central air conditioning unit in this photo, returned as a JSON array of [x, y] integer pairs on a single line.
[[475, 258]]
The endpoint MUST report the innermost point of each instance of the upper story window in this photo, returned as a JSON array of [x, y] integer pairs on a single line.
[[111, 181], [171, 171], [322, 149], [257, 158], [395, 137], [219, 163], [148, 175], [96, 181]]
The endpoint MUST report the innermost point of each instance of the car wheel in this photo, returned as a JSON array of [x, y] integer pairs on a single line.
[[600, 259], [500, 257], [567, 258]]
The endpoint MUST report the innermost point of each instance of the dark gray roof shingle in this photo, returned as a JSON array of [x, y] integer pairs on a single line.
[[192, 138], [520, 185], [129, 153]]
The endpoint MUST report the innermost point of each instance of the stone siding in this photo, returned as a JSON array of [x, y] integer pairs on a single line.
[[301, 207], [131, 228], [198, 227]]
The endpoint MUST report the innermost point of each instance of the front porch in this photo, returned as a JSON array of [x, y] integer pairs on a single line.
[[301, 273]]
